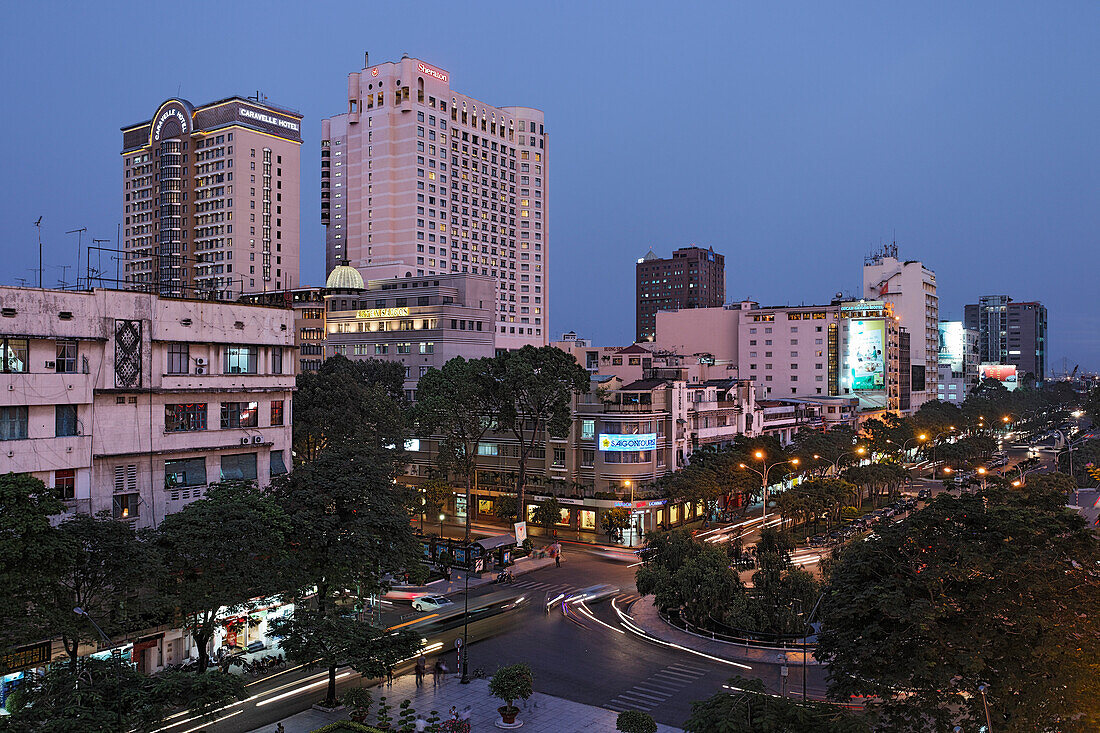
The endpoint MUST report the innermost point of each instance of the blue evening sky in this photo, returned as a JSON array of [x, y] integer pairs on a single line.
[[792, 137]]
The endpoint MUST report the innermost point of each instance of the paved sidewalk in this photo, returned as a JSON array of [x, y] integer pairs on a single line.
[[647, 619], [540, 714]]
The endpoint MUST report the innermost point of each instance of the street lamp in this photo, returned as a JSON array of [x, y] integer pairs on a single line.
[[860, 451], [441, 517], [982, 472], [764, 476], [985, 704]]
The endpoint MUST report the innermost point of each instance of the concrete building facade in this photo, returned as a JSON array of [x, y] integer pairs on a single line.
[[692, 278], [843, 349], [959, 358], [418, 179], [421, 322], [1010, 332], [910, 288], [132, 403], [211, 199]]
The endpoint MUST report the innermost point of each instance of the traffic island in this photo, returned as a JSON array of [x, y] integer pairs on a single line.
[[645, 616]]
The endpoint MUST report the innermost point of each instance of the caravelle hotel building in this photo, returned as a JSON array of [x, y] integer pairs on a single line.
[[419, 180], [211, 199]]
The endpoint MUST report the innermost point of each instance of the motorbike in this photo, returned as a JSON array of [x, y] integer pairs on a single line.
[[505, 577]]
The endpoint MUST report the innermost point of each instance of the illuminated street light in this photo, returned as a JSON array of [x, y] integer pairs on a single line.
[[764, 476]]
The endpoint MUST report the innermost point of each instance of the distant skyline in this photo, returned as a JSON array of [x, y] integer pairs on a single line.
[[794, 139]]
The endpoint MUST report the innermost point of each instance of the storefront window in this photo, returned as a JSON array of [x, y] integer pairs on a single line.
[[460, 506], [660, 516], [531, 512], [484, 506], [564, 518], [588, 519], [674, 513]]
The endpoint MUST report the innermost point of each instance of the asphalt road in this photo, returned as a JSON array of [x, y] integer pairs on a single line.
[[573, 656]]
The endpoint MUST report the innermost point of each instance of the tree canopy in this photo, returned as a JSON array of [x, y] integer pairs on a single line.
[[998, 587]]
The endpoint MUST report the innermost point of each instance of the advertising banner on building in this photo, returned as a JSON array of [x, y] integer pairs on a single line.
[[1003, 373], [952, 344], [521, 532], [613, 442], [867, 354]]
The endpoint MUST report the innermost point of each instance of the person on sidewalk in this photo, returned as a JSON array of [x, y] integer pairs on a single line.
[[437, 672], [420, 724], [421, 668], [557, 560]]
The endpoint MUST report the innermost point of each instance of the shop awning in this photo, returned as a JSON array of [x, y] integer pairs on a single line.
[[492, 543]]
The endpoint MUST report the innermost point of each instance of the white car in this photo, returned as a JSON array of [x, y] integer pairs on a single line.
[[431, 603]]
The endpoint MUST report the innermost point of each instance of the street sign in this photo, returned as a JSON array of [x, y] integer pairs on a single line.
[[458, 643]]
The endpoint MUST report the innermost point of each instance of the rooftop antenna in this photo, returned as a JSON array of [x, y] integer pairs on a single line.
[[99, 261], [22, 281], [38, 226], [79, 245], [63, 282]]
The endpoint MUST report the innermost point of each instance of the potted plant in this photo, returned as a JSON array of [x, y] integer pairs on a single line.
[[514, 682], [358, 700]]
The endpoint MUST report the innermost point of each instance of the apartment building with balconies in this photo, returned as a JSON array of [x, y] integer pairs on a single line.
[[132, 403]]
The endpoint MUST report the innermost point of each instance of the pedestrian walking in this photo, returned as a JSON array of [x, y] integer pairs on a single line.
[[421, 668], [279, 728], [437, 672], [557, 560], [420, 724], [389, 677]]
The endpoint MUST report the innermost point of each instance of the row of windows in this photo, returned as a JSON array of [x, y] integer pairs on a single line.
[[14, 421], [190, 417]]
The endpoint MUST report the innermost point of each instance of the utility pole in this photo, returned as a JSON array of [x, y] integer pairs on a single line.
[[38, 226]]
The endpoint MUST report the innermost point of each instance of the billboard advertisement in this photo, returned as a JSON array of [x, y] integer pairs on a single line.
[[952, 344], [1003, 373], [867, 354], [613, 442]]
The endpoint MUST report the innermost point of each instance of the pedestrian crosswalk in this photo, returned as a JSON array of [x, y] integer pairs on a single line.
[[657, 688], [535, 585]]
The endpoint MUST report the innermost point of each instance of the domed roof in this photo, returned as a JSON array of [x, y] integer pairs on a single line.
[[344, 277]]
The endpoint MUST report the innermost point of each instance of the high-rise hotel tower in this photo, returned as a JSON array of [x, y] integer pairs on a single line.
[[211, 199], [418, 180]]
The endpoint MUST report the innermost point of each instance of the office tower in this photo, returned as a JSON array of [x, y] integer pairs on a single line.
[[194, 174], [910, 288], [1010, 332], [692, 278], [418, 179]]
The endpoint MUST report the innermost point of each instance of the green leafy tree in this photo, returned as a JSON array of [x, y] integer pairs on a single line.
[[535, 389], [350, 400], [751, 709], [547, 514], [106, 572], [217, 554], [506, 508], [997, 588], [105, 696], [349, 529], [434, 495], [614, 521], [30, 549], [460, 403], [330, 641]]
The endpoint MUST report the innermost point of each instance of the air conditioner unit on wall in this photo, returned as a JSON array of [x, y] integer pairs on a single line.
[[200, 370], [244, 440], [257, 439], [200, 361]]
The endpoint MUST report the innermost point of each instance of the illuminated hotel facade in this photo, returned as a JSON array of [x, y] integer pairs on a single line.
[[419, 180], [211, 199]]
